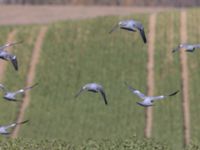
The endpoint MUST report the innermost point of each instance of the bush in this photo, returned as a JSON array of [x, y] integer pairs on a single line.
[[104, 144]]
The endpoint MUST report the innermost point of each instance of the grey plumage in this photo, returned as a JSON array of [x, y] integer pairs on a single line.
[[186, 47], [93, 87], [4, 129], [131, 25], [148, 100], [11, 96], [5, 55]]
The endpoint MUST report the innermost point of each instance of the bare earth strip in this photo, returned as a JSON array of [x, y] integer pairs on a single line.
[[150, 73], [30, 78], [16, 14], [184, 79], [3, 63]]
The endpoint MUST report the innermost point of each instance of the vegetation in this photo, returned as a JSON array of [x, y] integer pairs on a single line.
[[106, 2], [13, 80], [90, 144], [168, 114], [193, 67], [78, 52]]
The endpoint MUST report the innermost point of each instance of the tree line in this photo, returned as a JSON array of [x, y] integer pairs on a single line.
[[176, 3]]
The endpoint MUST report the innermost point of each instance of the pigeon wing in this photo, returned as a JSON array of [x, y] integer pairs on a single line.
[[9, 44], [30, 87], [164, 96], [114, 28], [23, 122], [104, 96], [81, 90], [136, 92], [14, 61], [142, 33]]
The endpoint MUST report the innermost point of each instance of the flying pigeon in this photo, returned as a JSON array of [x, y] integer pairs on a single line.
[[3, 129], [131, 25], [93, 87], [5, 55], [187, 47], [148, 100], [11, 96]]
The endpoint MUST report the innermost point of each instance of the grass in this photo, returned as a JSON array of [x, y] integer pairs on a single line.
[[82, 52], [78, 52], [193, 68], [168, 113], [16, 80], [131, 143]]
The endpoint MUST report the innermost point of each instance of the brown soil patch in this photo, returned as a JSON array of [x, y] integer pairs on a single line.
[[30, 78], [150, 74], [3, 63], [17, 14], [184, 79]]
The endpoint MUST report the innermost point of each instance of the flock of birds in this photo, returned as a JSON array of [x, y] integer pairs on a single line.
[[130, 25], [133, 26]]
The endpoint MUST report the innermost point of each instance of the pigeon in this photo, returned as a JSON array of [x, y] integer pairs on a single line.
[[131, 25], [3, 129], [93, 87], [5, 55], [187, 47], [11, 96], [148, 100]]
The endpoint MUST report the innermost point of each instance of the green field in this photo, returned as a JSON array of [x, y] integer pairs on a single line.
[[77, 52]]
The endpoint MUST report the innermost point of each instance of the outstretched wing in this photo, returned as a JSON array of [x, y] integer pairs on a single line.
[[81, 90], [164, 96], [9, 44], [30, 87], [13, 60], [21, 91], [142, 33], [114, 28], [136, 92], [23, 122], [104, 96], [175, 49]]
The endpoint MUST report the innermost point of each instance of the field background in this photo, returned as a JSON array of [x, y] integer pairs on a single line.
[[75, 52]]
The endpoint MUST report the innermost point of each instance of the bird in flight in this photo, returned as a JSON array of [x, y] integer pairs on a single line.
[[186, 47], [148, 100], [5, 55], [131, 25], [4, 129], [11, 96], [93, 87]]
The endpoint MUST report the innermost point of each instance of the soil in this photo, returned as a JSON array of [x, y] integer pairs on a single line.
[[30, 78], [150, 74], [184, 79], [17, 14]]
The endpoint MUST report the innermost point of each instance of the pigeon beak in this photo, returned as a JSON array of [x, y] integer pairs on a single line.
[[14, 62], [113, 29]]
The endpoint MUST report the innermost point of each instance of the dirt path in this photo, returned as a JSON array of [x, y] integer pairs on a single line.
[[10, 38], [16, 14], [150, 73], [184, 79], [30, 77]]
